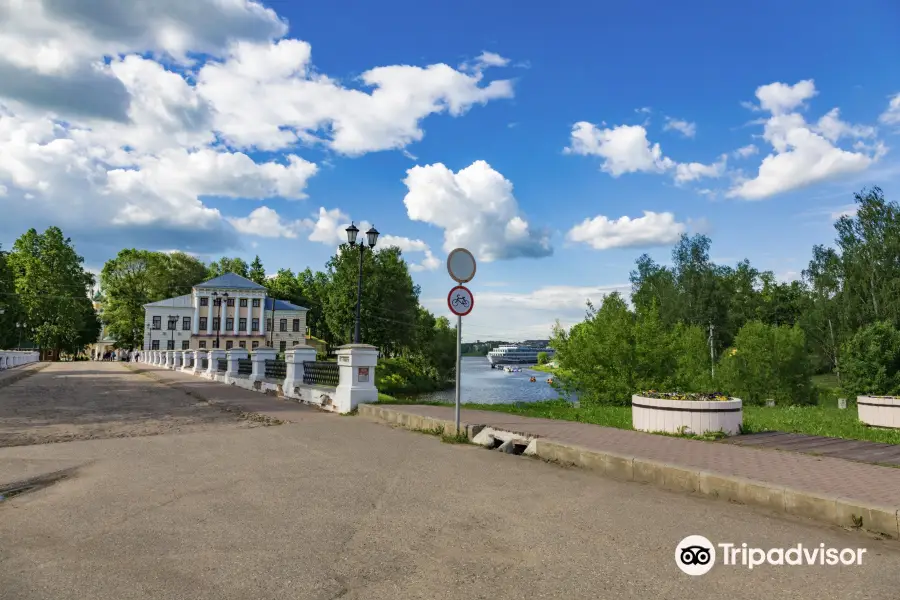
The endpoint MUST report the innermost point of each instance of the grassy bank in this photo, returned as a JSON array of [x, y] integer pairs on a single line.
[[825, 420]]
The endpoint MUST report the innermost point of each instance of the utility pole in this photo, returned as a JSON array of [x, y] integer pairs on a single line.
[[712, 351]]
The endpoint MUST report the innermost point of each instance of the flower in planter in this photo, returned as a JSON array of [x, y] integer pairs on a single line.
[[688, 397]]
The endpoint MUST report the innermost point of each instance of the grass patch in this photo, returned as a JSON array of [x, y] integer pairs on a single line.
[[825, 420], [446, 437]]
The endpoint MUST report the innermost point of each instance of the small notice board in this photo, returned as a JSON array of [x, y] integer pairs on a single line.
[[363, 375]]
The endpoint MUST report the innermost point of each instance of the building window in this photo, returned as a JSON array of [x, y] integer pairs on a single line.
[[203, 322], [203, 344], [268, 343], [256, 303], [229, 345], [296, 325], [215, 343], [215, 323], [170, 344], [204, 301], [231, 302], [185, 323], [282, 324], [185, 344], [172, 323], [282, 346], [217, 302], [243, 302], [229, 324], [255, 345], [268, 324], [242, 324], [242, 345], [254, 325], [157, 322], [154, 345]]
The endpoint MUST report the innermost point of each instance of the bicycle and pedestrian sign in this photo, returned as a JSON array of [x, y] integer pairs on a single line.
[[461, 301]]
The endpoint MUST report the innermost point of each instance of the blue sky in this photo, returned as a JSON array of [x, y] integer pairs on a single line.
[[692, 68]]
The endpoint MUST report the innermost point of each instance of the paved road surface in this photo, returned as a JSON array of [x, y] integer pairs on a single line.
[[337, 507]]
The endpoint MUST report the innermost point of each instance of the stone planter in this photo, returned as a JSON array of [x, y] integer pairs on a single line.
[[879, 411], [686, 416]]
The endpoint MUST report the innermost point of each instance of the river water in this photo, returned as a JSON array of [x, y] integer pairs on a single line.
[[483, 385]]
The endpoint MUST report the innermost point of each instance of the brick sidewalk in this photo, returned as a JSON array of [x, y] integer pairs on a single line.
[[215, 392], [820, 475]]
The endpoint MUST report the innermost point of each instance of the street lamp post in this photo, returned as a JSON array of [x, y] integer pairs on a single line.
[[172, 327], [20, 327], [222, 301], [371, 239]]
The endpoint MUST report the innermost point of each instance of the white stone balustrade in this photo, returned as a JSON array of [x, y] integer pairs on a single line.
[[233, 356], [259, 358], [213, 367], [357, 364], [199, 357], [178, 358], [294, 359], [17, 358], [189, 356]]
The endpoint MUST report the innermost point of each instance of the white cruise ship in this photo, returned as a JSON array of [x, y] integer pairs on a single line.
[[516, 354]]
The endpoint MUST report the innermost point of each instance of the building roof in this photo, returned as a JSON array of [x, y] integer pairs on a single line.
[[178, 302], [230, 280], [282, 305]]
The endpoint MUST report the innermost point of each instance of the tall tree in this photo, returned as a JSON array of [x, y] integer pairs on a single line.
[[53, 289], [314, 289], [224, 265], [128, 284], [257, 272], [285, 286], [9, 304]]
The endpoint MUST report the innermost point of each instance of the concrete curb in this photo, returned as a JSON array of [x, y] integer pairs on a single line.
[[23, 372], [843, 512]]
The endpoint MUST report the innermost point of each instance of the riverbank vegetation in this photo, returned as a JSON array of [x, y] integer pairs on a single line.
[[702, 327]]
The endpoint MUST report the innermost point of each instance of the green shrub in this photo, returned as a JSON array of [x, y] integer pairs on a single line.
[[768, 362], [871, 361], [406, 376], [689, 347], [543, 358]]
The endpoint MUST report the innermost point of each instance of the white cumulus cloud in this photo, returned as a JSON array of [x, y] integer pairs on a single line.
[[891, 115], [652, 229], [685, 128], [265, 222], [476, 209], [803, 153], [624, 148]]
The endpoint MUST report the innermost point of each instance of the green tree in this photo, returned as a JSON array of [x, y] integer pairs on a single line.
[[543, 358], [53, 290], [599, 353], [689, 346], [654, 363], [285, 286], [9, 304], [768, 362], [314, 290], [128, 282], [872, 360], [238, 266], [257, 272], [389, 300]]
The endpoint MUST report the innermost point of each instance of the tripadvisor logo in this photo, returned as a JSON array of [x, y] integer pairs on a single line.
[[696, 555]]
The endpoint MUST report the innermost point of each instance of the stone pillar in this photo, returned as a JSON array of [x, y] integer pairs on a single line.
[[209, 314], [154, 357], [262, 316], [186, 360], [259, 358], [199, 355], [178, 355], [294, 360], [195, 324], [214, 355], [236, 315], [357, 364], [233, 356], [170, 356]]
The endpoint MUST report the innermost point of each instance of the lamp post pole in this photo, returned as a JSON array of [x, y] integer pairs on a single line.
[[371, 239]]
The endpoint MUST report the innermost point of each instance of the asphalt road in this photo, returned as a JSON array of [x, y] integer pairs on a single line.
[[338, 507]]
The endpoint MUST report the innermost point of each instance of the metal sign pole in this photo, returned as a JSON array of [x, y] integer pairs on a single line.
[[458, 365]]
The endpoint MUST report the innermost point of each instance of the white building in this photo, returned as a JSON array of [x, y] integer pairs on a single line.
[[227, 312]]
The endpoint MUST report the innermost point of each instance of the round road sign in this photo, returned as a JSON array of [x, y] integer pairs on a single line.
[[461, 265], [461, 301]]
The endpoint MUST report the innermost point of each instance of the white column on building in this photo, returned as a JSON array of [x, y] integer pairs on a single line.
[[222, 314], [195, 324], [262, 316], [237, 313], [209, 313]]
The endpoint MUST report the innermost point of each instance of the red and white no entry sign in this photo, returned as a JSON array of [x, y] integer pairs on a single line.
[[461, 301]]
